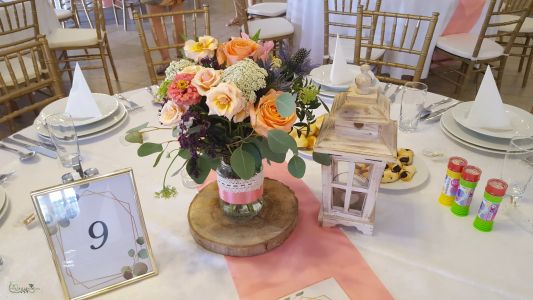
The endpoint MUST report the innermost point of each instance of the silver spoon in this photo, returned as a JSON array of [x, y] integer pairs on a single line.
[[22, 155]]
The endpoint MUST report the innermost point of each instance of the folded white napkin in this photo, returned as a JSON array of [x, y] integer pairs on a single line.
[[339, 69], [488, 110], [80, 103]]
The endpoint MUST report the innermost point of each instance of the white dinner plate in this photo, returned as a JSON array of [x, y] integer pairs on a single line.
[[521, 121], [467, 144], [320, 75], [3, 198], [421, 176], [91, 130], [4, 208], [108, 105], [471, 137]]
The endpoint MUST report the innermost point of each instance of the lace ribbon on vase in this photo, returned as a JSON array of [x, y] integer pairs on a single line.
[[240, 191]]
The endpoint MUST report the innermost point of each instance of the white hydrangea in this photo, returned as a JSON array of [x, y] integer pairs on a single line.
[[175, 67], [247, 76]]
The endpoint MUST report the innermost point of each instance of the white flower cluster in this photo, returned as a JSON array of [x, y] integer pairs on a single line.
[[247, 76], [176, 67]]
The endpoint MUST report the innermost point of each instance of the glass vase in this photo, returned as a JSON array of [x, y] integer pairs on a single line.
[[239, 198]]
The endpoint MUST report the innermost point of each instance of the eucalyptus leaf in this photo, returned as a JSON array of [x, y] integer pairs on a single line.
[[296, 166], [269, 154], [158, 158], [184, 153], [286, 104], [136, 129], [280, 142], [242, 163], [255, 37], [134, 137], [175, 131], [203, 166], [322, 158], [255, 152], [149, 148]]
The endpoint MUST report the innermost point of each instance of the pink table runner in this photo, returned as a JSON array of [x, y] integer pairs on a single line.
[[465, 16], [309, 255]]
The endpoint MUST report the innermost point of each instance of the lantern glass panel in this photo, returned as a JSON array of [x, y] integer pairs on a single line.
[[360, 178]]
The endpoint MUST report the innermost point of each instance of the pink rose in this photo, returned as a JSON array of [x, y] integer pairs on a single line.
[[171, 113], [206, 79]]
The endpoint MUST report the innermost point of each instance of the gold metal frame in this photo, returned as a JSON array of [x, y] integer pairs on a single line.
[[14, 26], [139, 20], [405, 45], [59, 187], [468, 67], [343, 10], [68, 5], [45, 77]]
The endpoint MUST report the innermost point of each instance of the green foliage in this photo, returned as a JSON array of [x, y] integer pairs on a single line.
[[167, 192], [138, 128], [296, 166], [149, 148], [243, 163], [280, 142], [322, 158], [203, 166], [134, 137], [270, 155], [158, 158], [286, 104], [255, 152], [255, 37]]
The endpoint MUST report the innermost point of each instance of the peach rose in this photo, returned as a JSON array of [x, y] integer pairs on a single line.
[[265, 116], [171, 113], [243, 114], [206, 79], [205, 47], [191, 69], [225, 100], [236, 50]]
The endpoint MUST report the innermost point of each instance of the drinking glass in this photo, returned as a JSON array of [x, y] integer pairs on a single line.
[[413, 98], [63, 135], [517, 168]]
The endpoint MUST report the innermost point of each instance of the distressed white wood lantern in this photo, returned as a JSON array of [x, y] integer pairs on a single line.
[[361, 139]]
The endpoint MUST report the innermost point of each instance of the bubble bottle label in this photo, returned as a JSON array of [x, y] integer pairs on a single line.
[[464, 196], [488, 210], [450, 187]]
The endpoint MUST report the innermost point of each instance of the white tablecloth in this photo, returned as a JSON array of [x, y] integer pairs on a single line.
[[308, 20], [419, 249], [48, 21]]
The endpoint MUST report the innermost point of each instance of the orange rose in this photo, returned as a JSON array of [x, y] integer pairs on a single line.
[[236, 50], [265, 116]]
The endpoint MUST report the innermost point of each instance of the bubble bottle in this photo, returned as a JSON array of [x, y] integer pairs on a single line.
[[469, 179], [451, 181], [494, 192]]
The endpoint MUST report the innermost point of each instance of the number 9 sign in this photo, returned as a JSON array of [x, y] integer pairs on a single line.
[[96, 232]]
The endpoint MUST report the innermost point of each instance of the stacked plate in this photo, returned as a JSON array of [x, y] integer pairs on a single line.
[[4, 203], [329, 90], [113, 114], [453, 124]]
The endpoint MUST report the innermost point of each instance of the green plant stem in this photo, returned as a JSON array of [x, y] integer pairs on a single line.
[[155, 129], [166, 172]]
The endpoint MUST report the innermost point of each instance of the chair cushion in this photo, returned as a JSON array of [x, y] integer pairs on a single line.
[[63, 13], [348, 46], [463, 45], [271, 28], [15, 64], [72, 37], [271, 9], [527, 26]]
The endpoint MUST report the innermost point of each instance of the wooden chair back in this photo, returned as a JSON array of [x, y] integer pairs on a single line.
[[519, 8], [18, 19], [340, 17], [394, 32], [190, 19], [27, 68], [65, 4]]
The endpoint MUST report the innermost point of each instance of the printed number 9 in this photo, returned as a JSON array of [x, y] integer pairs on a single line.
[[104, 234]]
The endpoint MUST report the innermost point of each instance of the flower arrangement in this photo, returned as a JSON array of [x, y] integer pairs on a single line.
[[232, 102]]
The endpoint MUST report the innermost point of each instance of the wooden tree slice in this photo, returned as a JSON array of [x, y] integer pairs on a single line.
[[218, 233]]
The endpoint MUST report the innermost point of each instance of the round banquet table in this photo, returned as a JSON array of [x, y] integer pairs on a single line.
[[308, 20], [419, 250]]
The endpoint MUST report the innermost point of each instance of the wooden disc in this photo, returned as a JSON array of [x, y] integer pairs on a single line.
[[221, 234]]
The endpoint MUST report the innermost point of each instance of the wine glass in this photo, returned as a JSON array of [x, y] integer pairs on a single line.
[[413, 98], [63, 135]]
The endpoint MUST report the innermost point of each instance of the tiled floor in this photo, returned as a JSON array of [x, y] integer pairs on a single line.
[[132, 70]]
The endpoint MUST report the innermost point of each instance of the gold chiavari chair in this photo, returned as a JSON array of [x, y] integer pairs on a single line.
[[267, 9], [64, 40], [274, 29], [394, 32], [24, 70], [476, 52], [66, 10], [18, 22], [190, 16], [87, 7], [340, 18]]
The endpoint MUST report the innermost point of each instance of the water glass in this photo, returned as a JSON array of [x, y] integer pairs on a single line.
[[413, 98], [517, 168], [63, 135]]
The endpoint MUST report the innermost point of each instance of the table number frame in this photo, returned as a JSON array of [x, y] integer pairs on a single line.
[[81, 217]]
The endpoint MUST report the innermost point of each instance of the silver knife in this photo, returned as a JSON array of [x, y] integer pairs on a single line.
[[35, 142], [38, 149], [438, 113]]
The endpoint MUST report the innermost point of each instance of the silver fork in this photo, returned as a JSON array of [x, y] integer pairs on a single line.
[[393, 96], [150, 91], [131, 106]]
